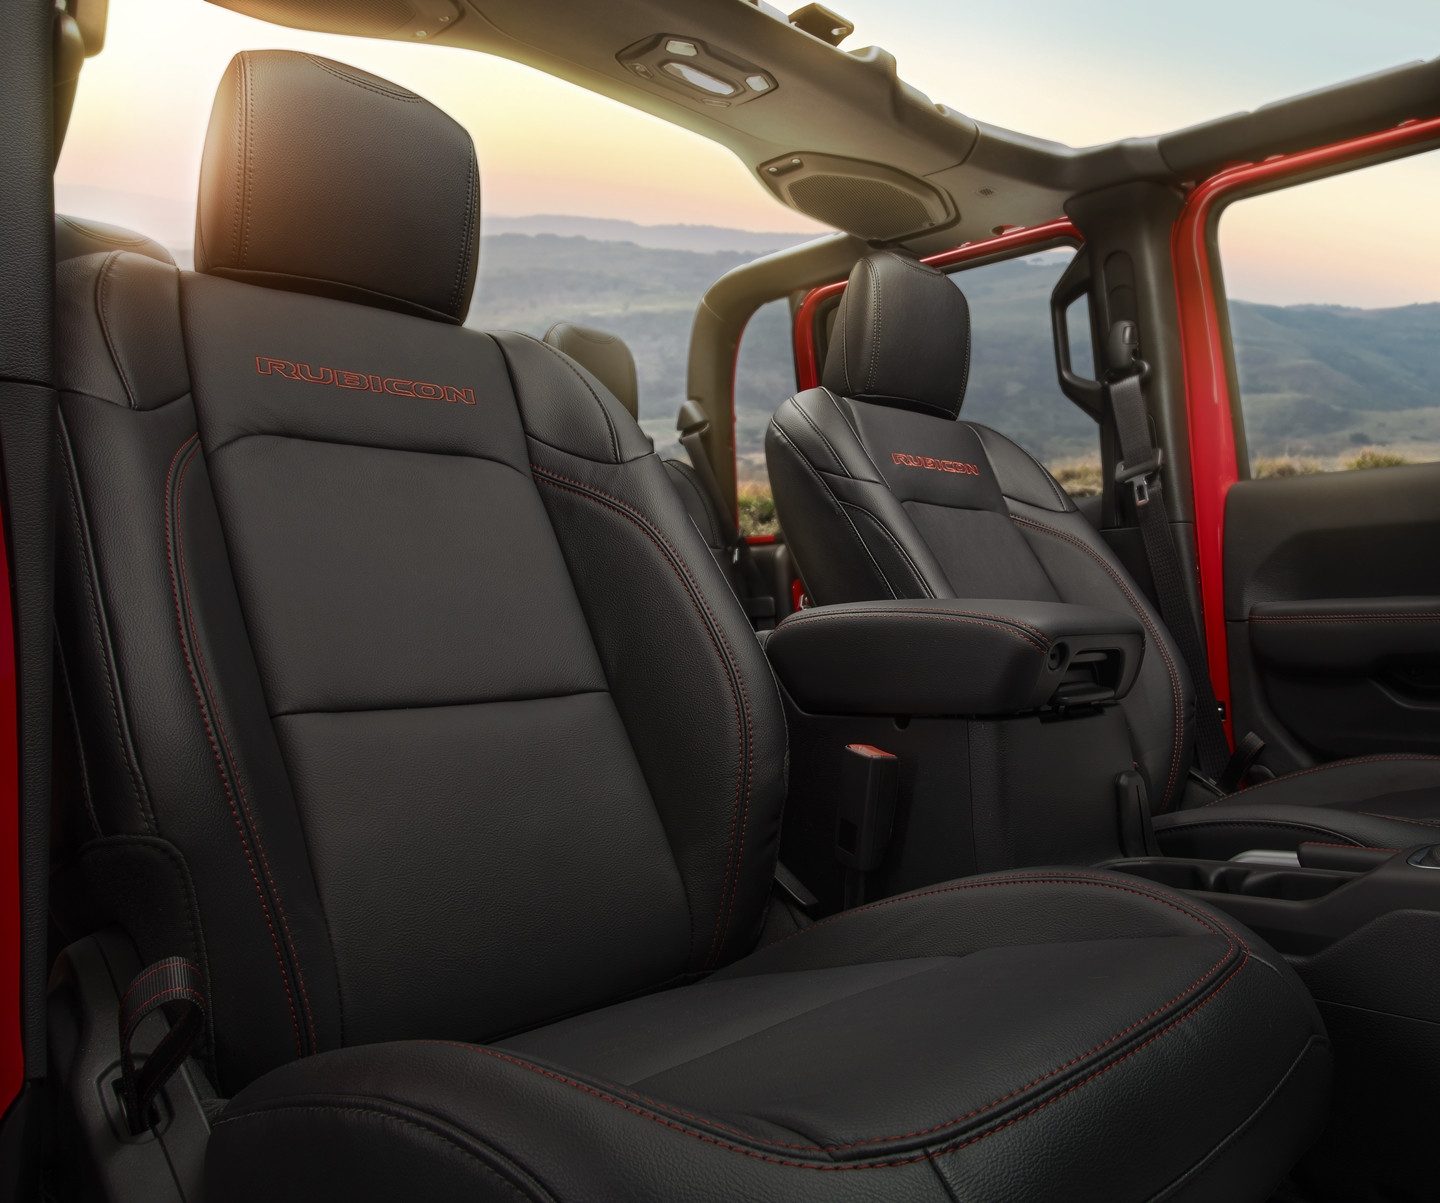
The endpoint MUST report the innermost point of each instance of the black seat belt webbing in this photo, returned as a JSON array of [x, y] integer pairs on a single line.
[[1139, 467], [170, 984]]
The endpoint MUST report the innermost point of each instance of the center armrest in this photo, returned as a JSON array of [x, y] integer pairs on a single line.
[[954, 656]]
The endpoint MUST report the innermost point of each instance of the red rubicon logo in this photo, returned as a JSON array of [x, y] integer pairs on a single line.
[[365, 382], [958, 467]]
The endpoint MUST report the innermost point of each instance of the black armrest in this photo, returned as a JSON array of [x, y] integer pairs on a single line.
[[1345, 634], [962, 657]]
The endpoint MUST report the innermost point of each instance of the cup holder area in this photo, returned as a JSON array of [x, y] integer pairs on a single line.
[[1228, 877]]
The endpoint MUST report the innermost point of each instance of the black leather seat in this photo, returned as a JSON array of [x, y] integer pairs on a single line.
[[884, 493], [416, 714], [606, 357]]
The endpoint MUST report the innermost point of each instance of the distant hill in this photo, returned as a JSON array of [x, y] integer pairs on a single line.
[[1324, 379], [1317, 380], [662, 237]]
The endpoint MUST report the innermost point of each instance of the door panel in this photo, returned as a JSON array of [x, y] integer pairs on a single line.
[[1332, 604]]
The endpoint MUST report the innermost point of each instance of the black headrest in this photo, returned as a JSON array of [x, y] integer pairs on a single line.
[[902, 337], [77, 236], [604, 356], [320, 178]]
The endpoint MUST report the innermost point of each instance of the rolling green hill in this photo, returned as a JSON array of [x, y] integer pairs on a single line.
[[1317, 380]]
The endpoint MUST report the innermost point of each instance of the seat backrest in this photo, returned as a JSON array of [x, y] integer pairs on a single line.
[[883, 492], [411, 704], [607, 357]]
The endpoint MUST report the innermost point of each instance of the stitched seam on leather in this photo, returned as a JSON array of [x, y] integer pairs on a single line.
[[369, 85], [1397, 616], [925, 589], [1066, 505], [249, 128], [713, 539], [1001, 624], [85, 793], [1376, 758], [740, 810], [1402, 819], [844, 417], [171, 543], [1177, 696], [270, 878], [1284, 824], [437, 1131], [83, 549], [875, 313], [834, 501], [115, 239], [472, 180], [103, 311], [829, 446], [1354, 844], [604, 413], [1234, 944], [239, 187]]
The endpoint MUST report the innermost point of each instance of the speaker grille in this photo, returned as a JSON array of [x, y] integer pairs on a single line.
[[870, 208]]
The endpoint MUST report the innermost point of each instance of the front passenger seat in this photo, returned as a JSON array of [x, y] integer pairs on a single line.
[[883, 492], [420, 720]]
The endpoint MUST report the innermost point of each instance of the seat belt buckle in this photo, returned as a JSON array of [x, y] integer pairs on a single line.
[[1140, 475], [869, 780]]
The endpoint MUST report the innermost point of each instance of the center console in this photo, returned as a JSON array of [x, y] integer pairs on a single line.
[[999, 717], [1362, 928]]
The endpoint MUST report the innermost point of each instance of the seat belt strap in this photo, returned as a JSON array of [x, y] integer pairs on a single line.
[[1139, 468], [692, 425], [177, 986]]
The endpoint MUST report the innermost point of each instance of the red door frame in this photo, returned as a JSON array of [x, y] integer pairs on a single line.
[[1002, 246], [1205, 349]]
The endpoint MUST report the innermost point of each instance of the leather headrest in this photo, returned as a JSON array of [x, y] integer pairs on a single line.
[[604, 356], [902, 337], [320, 178], [76, 237]]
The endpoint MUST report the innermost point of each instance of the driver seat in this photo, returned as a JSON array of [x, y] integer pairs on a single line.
[[416, 717]]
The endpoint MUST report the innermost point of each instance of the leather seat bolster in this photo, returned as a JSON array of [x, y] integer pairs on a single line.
[[565, 407]]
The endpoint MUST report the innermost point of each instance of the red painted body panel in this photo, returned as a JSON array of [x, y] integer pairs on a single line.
[[1206, 353]]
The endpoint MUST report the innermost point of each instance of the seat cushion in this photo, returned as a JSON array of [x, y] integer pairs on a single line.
[[1028, 1035], [1382, 801]]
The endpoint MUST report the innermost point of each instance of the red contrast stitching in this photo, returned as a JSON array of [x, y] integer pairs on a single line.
[[636, 1103], [740, 812], [1376, 758], [1177, 696], [1351, 847], [1009, 626], [180, 618], [1397, 616]]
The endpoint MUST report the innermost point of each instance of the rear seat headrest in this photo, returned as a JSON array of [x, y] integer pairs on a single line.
[[320, 178], [901, 338], [76, 237], [604, 356]]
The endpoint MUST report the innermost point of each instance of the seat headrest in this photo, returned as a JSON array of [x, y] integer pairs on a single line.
[[604, 356], [76, 237], [902, 337], [319, 178]]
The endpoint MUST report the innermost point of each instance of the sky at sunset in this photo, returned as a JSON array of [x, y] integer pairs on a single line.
[[133, 152]]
